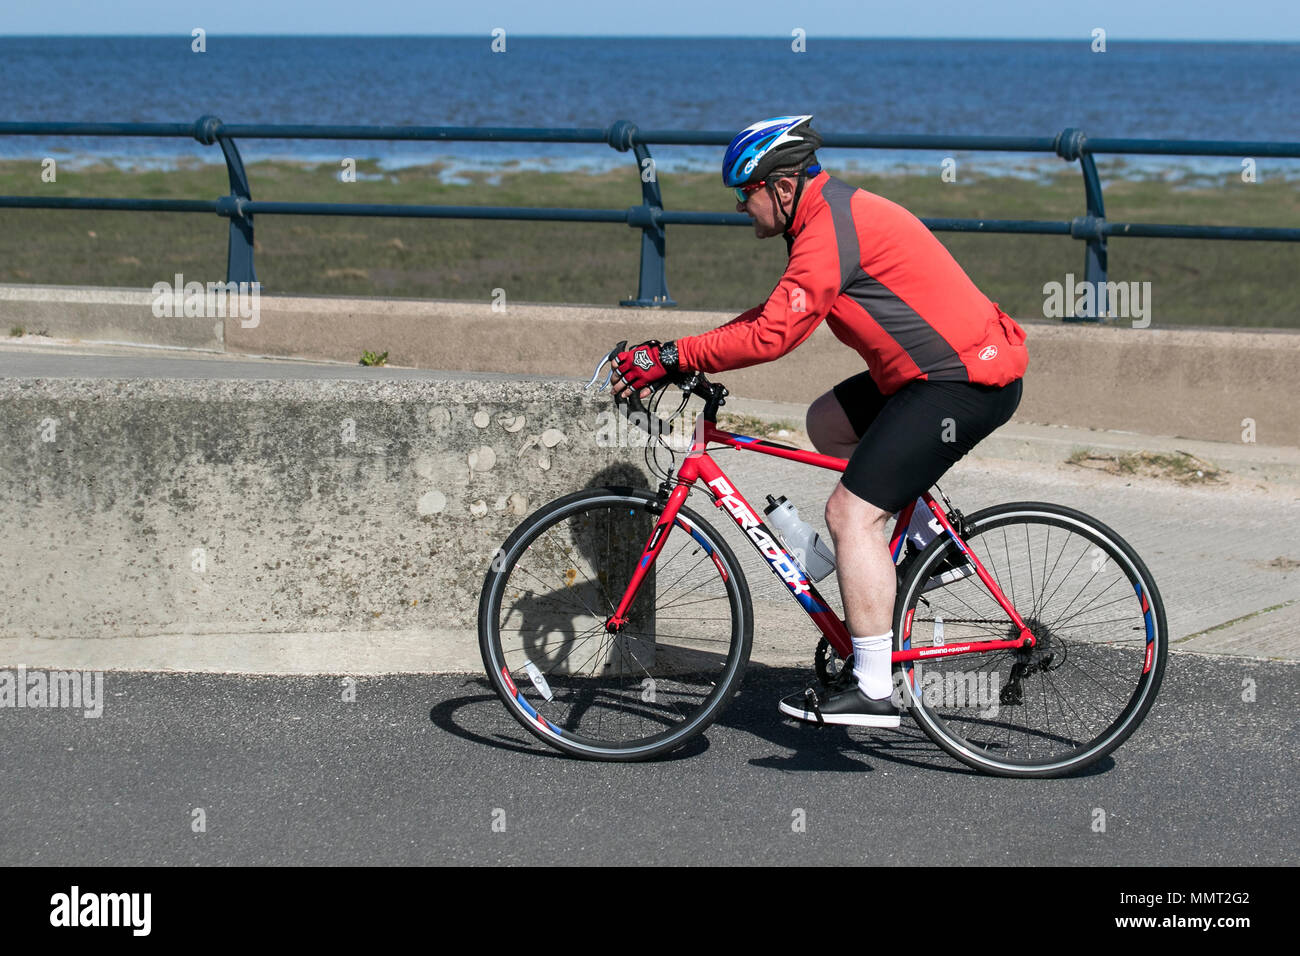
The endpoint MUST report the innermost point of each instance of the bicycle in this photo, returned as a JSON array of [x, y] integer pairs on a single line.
[[606, 646]]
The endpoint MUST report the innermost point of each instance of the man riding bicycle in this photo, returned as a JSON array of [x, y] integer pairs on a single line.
[[944, 369]]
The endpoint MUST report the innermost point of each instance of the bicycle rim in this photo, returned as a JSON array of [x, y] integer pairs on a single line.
[[1093, 673], [626, 696]]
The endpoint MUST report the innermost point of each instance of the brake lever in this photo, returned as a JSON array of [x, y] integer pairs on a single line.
[[607, 360], [632, 397]]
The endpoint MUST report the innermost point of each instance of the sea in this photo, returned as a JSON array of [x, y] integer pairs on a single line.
[[1168, 90]]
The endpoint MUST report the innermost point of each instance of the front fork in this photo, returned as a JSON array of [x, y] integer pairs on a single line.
[[654, 544]]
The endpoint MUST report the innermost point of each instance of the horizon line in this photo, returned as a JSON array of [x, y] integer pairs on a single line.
[[1076, 38]]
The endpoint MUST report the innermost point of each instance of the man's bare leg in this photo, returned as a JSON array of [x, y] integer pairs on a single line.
[[867, 586], [862, 561]]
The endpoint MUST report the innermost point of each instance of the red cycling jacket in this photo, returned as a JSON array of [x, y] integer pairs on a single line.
[[885, 286]]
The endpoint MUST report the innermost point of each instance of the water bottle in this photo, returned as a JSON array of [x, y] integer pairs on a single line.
[[805, 544]]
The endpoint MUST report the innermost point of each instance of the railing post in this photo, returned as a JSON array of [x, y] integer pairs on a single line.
[[1072, 144], [239, 252], [652, 286]]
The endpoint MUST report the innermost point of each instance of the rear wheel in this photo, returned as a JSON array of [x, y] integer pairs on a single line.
[[631, 695], [1101, 642]]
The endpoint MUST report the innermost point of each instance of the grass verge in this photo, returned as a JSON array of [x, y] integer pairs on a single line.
[[1196, 282]]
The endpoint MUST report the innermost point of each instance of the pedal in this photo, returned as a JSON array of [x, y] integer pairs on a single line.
[[811, 702]]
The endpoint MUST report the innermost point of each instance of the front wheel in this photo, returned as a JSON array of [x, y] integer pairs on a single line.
[[1099, 627], [631, 695]]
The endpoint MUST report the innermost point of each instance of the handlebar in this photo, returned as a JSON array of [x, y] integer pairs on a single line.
[[695, 383]]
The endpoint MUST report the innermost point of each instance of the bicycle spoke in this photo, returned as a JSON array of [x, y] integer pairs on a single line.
[[1010, 572], [668, 590], [994, 628], [1030, 566], [676, 602], [680, 604], [576, 644], [1067, 574], [567, 589], [1090, 603], [1112, 620], [1047, 547]]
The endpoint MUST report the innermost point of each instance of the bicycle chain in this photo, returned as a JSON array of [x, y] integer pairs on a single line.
[[960, 620]]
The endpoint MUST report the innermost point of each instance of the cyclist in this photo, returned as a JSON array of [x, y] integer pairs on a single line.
[[944, 369]]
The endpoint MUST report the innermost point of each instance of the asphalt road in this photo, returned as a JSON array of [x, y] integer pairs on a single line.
[[418, 769]]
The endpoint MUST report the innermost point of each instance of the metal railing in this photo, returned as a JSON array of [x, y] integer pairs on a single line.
[[650, 217]]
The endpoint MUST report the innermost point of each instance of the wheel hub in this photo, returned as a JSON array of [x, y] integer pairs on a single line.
[[1048, 653]]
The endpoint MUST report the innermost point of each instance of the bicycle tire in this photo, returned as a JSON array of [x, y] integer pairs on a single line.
[[1097, 706], [691, 678]]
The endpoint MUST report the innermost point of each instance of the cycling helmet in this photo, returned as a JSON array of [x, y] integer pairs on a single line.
[[767, 145], [777, 143]]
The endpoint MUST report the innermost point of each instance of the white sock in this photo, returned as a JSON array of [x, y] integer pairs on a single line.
[[872, 665]]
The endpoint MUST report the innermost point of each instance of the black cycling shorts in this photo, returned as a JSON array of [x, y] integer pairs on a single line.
[[906, 441]]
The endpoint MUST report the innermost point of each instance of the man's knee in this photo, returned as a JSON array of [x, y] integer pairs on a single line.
[[847, 513]]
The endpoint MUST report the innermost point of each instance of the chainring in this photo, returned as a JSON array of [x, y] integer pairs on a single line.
[[828, 665]]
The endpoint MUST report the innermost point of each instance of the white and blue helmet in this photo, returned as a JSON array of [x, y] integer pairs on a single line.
[[767, 145]]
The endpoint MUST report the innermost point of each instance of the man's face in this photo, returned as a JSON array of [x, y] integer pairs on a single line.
[[760, 207]]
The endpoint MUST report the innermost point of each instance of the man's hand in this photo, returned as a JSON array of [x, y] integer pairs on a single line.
[[641, 366], [620, 388]]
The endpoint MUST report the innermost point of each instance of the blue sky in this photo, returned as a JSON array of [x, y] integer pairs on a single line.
[[1064, 19]]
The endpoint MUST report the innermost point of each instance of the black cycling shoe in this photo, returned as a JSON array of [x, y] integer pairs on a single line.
[[848, 707]]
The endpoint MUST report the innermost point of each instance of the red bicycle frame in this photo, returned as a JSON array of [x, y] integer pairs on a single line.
[[726, 496]]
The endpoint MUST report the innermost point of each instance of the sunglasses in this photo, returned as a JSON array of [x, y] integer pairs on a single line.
[[744, 192]]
